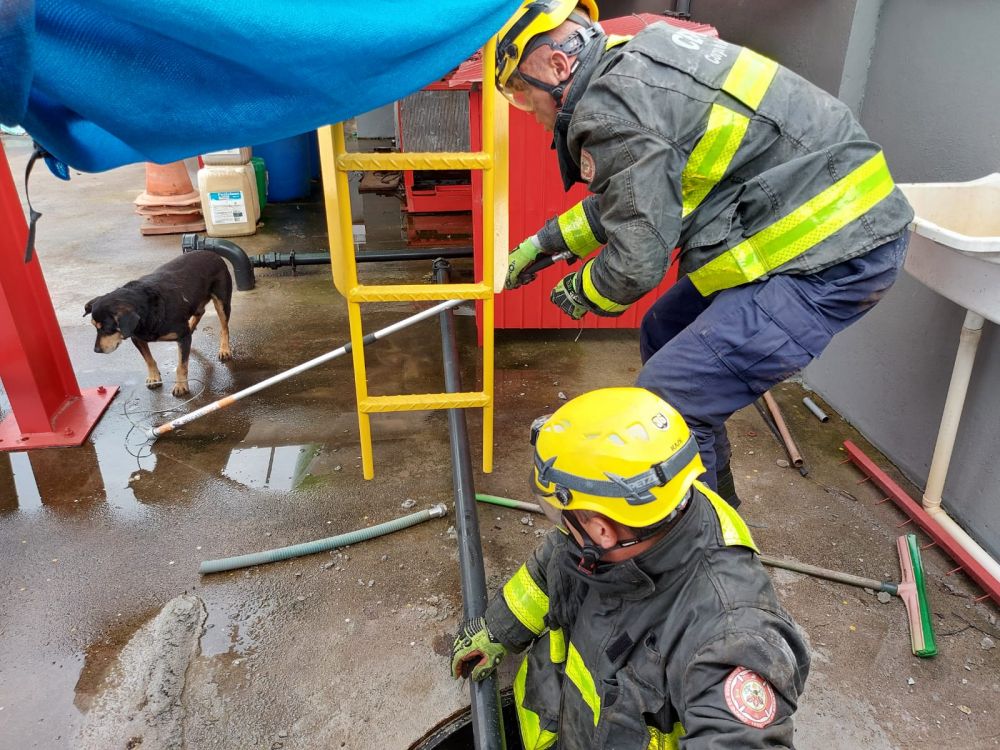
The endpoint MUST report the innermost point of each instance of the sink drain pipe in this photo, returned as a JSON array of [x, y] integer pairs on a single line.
[[487, 721]]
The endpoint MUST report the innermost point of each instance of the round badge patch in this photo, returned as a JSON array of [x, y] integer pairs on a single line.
[[750, 697], [586, 165]]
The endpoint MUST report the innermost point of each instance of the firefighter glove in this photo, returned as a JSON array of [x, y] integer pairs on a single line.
[[476, 652], [568, 296], [519, 259]]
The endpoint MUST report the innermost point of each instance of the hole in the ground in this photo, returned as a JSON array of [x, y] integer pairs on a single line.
[[455, 732]]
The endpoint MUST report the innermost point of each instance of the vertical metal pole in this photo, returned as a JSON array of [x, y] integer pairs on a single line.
[[487, 721]]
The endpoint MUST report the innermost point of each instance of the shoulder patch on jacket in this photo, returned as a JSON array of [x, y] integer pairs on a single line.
[[750, 697], [586, 165]]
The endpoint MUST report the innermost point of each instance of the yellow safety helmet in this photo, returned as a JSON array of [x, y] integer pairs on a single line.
[[533, 18], [622, 452]]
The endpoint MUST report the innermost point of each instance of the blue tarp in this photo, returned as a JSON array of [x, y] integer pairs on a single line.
[[101, 83]]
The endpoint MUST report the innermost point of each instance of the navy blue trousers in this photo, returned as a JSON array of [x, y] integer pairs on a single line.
[[711, 356]]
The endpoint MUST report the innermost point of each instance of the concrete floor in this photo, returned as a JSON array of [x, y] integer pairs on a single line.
[[111, 639]]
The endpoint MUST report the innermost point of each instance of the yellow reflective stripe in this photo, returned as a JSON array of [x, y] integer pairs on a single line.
[[557, 646], [533, 737], [815, 220], [661, 741], [579, 675], [526, 600], [750, 77], [711, 157], [734, 530], [614, 40], [594, 296], [577, 232]]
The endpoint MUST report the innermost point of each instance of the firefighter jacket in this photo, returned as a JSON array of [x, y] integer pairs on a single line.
[[688, 141], [683, 646]]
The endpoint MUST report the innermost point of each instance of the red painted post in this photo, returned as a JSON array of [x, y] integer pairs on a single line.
[[48, 407]]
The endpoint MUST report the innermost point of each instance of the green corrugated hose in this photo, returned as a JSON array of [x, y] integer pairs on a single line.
[[321, 545]]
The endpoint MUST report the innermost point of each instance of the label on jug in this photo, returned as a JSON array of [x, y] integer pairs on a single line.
[[228, 207]]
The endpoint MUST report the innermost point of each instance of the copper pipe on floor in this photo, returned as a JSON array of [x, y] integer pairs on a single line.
[[786, 437]]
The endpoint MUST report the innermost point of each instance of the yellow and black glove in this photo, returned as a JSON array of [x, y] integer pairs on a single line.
[[476, 652]]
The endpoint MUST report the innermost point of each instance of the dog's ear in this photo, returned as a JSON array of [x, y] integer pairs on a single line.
[[89, 306], [127, 323]]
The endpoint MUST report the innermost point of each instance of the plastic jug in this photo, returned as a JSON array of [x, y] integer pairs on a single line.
[[229, 200]]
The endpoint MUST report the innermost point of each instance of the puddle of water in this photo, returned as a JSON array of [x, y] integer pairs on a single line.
[[71, 478], [281, 467]]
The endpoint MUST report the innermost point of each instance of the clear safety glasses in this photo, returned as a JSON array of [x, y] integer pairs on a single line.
[[517, 91]]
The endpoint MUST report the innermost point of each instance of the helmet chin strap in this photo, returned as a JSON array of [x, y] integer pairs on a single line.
[[590, 552]]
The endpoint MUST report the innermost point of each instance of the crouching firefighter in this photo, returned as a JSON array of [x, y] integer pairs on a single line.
[[648, 618]]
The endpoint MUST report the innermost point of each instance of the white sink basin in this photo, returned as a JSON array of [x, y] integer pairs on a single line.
[[955, 241]]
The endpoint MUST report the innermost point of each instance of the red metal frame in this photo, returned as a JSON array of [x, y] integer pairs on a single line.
[[916, 512], [48, 408]]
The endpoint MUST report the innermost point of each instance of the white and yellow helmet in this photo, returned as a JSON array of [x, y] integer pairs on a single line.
[[622, 452]]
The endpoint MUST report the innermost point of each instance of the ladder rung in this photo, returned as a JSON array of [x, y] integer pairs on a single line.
[[368, 162], [423, 402], [414, 292]]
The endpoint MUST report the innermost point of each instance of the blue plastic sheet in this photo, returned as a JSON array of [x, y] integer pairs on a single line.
[[101, 83]]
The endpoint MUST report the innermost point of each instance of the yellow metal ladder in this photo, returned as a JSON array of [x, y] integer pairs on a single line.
[[336, 163]]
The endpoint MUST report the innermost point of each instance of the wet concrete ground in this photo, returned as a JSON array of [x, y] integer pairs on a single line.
[[95, 541]]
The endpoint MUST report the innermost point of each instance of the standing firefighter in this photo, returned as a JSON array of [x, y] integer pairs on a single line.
[[789, 225], [650, 620]]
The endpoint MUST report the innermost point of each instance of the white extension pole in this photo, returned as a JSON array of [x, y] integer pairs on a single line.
[[222, 403]]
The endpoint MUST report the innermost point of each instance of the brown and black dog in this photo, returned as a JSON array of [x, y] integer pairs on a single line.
[[165, 305]]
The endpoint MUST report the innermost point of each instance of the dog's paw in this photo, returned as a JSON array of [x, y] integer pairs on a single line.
[[153, 383], [225, 355], [181, 389]]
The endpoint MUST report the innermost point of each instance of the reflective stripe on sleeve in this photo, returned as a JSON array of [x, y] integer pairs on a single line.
[[595, 297], [580, 676], [750, 77], [577, 232], [526, 600], [846, 200], [533, 737], [711, 157]]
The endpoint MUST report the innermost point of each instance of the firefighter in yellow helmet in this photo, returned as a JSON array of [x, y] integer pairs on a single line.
[[649, 618], [787, 220]]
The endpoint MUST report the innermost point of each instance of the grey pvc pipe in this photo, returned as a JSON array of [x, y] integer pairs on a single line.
[[811, 405], [487, 720], [322, 545]]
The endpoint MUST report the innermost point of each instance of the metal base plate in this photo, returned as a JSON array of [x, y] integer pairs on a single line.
[[71, 427]]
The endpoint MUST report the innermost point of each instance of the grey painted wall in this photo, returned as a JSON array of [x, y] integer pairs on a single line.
[[933, 102], [814, 49]]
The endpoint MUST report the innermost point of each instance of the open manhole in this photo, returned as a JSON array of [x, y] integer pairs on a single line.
[[455, 732]]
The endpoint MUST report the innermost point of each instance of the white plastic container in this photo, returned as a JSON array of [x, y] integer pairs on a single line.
[[227, 157], [229, 200]]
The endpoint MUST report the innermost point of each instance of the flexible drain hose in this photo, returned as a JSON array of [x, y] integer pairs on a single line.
[[508, 503], [322, 545]]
